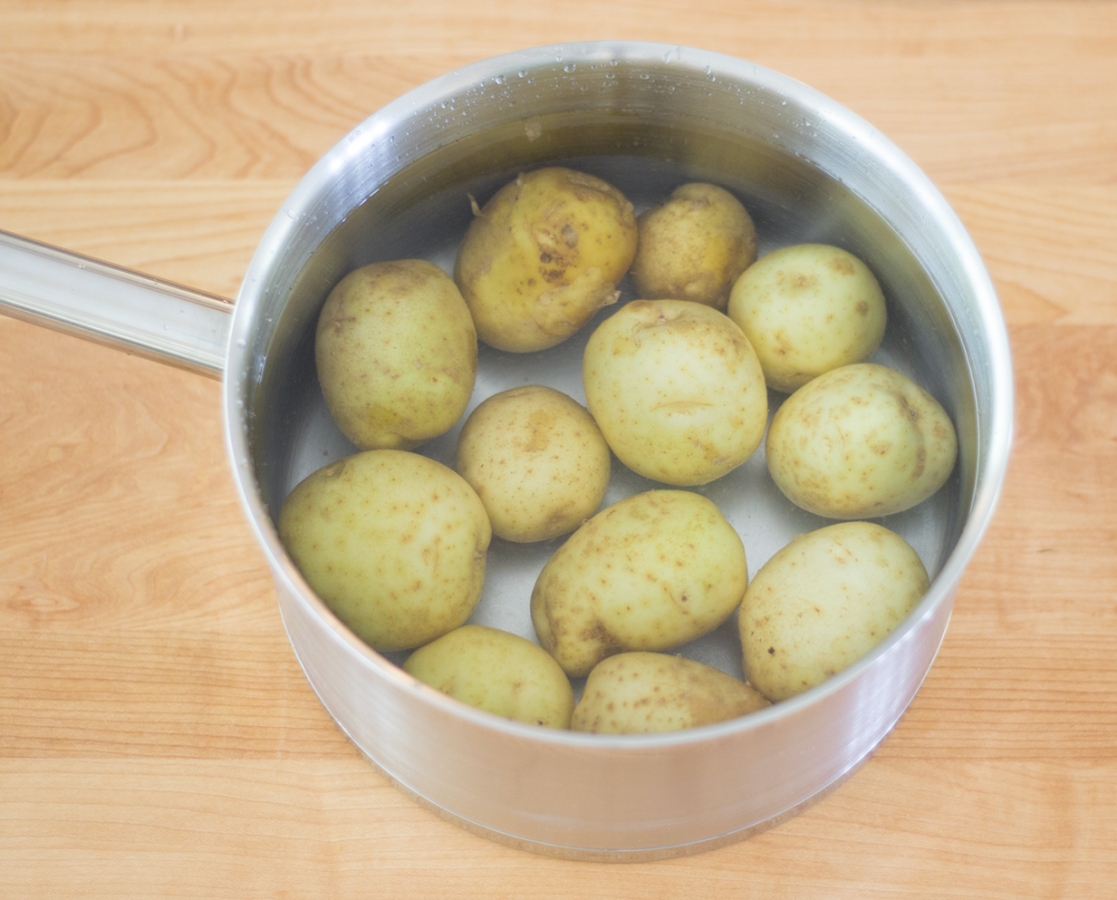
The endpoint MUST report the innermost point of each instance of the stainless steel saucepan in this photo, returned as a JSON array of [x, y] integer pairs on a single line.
[[646, 118]]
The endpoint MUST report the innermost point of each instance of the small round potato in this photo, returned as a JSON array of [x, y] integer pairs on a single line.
[[396, 353], [676, 389], [824, 601], [650, 572], [694, 246], [645, 693], [543, 255], [392, 542], [808, 309], [537, 460], [498, 672], [860, 442]]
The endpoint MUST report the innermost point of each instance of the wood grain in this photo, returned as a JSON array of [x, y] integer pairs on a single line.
[[157, 737]]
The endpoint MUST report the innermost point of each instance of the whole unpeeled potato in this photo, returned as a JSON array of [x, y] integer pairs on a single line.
[[543, 255], [644, 693], [859, 442], [676, 389], [807, 309], [824, 601], [650, 572], [392, 542], [396, 354], [536, 459], [693, 246], [498, 672]]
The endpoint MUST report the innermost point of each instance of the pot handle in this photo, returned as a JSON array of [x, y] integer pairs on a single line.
[[110, 305]]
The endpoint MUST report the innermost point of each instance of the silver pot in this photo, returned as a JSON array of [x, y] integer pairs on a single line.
[[645, 117]]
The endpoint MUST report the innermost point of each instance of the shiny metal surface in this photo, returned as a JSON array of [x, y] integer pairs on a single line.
[[645, 117], [114, 306]]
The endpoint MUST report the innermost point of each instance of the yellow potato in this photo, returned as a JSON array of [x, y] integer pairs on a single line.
[[824, 601], [396, 353], [860, 442], [650, 572], [543, 255], [537, 460], [676, 389], [808, 309], [498, 672], [694, 246], [392, 542], [643, 693]]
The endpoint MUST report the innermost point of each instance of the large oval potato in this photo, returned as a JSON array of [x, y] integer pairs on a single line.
[[543, 255], [645, 693], [650, 572], [807, 309], [860, 442], [824, 601], [498, 672], [392, 542], [396, 354], [537, 460], [676, 389], [693, 246]]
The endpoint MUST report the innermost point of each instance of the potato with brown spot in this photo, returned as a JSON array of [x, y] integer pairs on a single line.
[[650, 572], [392, 542], [537, 460], [822, 602], [647, 693], [543, 255], [498, 672], [396, 354], [693, 246], [860, 442], [676, 389], [807, 309]]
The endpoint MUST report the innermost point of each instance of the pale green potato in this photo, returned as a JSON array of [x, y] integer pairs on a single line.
[[824, 601], [498, 672], [676, 389], [645, 693], [543, 255], [807, 309], [650, 572], [392, 542], [860, 442], [694, 246], [396, 354], [537, 460]]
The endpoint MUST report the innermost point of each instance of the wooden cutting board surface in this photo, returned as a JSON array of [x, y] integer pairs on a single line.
[[157, 737]]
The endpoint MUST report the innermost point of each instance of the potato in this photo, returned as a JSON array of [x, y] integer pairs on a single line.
[[859, 442], [643, 693], [392, 542], [543, 255], [650, 572], [694, 246], [676, 389], [808, 309], [537, 460], [498, 672], [396, 353], [824, 601]]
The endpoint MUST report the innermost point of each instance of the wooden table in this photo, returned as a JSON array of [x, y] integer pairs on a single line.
[[157, 738]]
